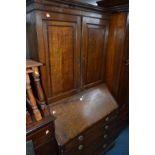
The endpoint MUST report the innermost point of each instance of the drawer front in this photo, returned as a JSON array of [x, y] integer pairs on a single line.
[[49, 148], [111, 117], [105, 124], [42, 136], [104, 147], [89, 148], [100, 131], [77, 150], [104, 127], [99, 142]]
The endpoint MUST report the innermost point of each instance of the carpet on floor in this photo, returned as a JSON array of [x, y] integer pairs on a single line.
[[121, 146]]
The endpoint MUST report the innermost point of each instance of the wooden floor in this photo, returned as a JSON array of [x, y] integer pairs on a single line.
[[77, 113]]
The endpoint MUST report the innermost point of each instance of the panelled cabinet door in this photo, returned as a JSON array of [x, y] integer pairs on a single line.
[[94, 40], [62, 49]]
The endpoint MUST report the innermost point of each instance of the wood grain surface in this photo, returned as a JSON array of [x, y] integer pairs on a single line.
[[77, 113]]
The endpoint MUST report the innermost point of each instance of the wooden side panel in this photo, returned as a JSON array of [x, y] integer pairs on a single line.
[[115, 51], [94, 44], [123, 93], [117, 64], [31, 36]]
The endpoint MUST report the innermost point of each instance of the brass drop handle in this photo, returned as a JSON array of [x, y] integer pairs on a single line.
[[80, 147], [105, 136], [107, 119], [80, 138], [104, 146], [106, 127]]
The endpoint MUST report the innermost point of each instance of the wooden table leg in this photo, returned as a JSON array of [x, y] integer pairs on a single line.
[[40, 91], [32, 99]]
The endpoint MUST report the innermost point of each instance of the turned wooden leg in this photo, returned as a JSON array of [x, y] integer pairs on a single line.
[[40, 91], [28, 117], [32, 99]]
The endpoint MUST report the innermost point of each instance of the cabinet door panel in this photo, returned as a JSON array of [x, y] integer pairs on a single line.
[[62, 53], [93, 51], [61, 58]]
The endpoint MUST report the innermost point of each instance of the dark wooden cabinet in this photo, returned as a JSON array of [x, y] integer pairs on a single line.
[[40, 129], [42, 135], [93, 47], [71, 44], [80, 46]]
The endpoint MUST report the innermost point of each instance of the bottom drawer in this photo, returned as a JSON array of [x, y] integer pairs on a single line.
[[48, 148], [91, 141], [44, 141], [104, 148], [99, 143], [77, 150]]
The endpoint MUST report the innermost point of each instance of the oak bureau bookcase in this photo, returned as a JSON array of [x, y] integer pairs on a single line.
[[81, 47]]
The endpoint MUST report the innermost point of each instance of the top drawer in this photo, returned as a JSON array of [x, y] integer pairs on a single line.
[[103, 126], [42, 136]]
